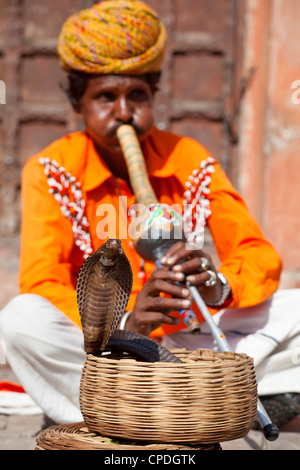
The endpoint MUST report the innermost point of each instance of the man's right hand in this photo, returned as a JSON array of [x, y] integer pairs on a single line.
[[159, 297]]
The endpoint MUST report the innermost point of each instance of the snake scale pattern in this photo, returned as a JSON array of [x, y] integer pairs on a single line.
[[103, 288]]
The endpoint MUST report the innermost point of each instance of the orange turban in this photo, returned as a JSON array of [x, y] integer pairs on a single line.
[[113, 37]]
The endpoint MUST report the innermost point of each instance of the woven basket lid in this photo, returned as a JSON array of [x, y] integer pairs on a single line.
[[76, 436]]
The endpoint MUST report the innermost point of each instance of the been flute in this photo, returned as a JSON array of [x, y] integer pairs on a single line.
[[158, 226]]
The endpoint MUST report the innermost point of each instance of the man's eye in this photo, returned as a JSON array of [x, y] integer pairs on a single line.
[[139, 95], [105, 96]]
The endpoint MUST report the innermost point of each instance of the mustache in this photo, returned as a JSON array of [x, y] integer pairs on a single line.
[[112, 131]]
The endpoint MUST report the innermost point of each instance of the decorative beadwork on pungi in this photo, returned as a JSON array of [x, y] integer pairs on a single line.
[[67, 192], [196, 205], [162, 214]]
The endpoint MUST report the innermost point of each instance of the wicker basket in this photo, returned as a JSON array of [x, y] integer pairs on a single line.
[[209, 398], [77, 437]]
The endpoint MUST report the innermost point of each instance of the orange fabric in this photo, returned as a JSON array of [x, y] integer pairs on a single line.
[[50, 260]]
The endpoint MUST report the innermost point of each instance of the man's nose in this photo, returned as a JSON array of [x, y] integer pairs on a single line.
[[123, 110]]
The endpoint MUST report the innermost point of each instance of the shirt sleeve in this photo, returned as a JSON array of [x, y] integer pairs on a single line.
[[46, 244], [248, 261]]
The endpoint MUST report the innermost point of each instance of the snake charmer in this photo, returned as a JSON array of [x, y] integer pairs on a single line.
[[76, 194]]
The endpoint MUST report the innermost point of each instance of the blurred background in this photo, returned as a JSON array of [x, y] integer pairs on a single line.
[[228, 79]]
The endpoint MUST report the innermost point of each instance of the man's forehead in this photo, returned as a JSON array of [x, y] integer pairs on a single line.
[[117, 80], [121, 82]]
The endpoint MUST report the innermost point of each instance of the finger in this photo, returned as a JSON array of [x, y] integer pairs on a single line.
[[194, 265], [145, 322], [165, 273], [172, 251], [168, 304], [183, 252], [198, 279], [157, 286], [159, 318], [154, 319], [162, 303]]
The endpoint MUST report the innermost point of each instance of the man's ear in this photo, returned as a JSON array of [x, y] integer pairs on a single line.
[[78, 110]]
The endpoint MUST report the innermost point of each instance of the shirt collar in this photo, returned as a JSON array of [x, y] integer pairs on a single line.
[[96, 171], [156, 147]]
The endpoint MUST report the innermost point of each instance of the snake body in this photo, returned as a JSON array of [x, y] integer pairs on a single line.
[[103, 288]]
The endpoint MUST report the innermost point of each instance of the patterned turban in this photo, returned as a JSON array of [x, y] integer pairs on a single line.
[[113, 37]]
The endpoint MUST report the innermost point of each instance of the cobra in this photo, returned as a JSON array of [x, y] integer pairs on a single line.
[[103, 289]]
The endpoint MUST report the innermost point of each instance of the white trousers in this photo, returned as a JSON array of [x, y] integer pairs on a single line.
[[268, 332], [45, 349]]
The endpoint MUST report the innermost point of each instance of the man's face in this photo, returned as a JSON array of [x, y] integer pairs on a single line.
[[112, 100]]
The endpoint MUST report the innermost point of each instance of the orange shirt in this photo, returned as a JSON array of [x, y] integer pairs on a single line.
[[50, 258]]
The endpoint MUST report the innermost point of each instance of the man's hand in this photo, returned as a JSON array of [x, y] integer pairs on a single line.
[[159, 297], [198, 268], [166, 292]]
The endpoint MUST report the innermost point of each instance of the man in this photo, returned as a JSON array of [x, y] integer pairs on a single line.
[[76, 194]]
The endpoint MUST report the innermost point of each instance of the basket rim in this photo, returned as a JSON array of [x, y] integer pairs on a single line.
[[190, 358]]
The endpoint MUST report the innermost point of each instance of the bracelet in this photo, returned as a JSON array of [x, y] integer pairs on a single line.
[[226, 291], [124, 320]]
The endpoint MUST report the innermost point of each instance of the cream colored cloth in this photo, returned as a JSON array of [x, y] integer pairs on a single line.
[[45, 349], [268, 332], [14, 403]]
